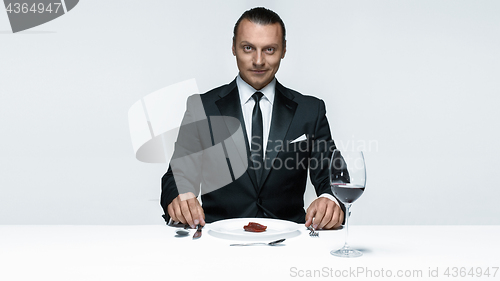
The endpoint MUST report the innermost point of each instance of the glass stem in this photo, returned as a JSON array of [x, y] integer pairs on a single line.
[[346, 224]]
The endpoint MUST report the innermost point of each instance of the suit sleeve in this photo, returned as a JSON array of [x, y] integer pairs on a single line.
[[184, 171], [321, 152]]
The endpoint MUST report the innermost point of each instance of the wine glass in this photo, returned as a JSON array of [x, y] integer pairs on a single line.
[[347, 180]]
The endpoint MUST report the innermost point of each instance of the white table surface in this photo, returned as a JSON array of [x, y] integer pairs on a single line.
[[70, 252]]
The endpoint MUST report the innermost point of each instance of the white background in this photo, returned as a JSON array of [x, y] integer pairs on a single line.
[[415, 83]]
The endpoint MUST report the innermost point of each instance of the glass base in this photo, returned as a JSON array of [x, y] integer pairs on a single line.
[[346, 253]]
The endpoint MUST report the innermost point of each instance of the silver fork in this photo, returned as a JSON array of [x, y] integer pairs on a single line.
[[312, 233]]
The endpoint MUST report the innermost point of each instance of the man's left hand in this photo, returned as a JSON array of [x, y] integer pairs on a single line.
[[323, 213]]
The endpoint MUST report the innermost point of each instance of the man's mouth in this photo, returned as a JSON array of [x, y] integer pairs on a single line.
[[258, 71]]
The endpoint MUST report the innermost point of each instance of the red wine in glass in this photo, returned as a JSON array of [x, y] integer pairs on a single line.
[[346, 192]]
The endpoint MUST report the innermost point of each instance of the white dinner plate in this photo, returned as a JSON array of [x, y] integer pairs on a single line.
[[233, 229]]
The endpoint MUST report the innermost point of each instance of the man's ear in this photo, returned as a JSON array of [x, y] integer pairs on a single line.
[[234, 48], [284, 50]]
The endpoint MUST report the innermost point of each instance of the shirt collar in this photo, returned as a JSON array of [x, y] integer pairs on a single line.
[[246, 91]]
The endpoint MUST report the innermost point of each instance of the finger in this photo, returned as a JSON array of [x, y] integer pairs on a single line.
[[310, 215], [171, 213], [327, 217], [186, 213], [308, 221], [197, 212], [331, 224], [202, 215], [335, 220], [320, 213], [177, 211], [194, 210]]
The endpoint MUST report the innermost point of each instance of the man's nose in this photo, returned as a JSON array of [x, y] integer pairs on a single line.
[[258, 59]]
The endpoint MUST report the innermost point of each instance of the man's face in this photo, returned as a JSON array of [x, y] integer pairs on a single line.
[[258, 50]]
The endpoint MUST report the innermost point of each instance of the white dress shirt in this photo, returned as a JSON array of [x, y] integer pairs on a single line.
[[266, 106]]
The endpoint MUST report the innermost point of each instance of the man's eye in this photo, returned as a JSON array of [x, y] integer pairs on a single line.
[[247, 48], [270, 50]]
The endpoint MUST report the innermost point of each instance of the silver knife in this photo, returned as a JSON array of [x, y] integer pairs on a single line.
[[197, 234]]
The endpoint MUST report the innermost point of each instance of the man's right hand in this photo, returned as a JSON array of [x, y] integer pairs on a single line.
[[186, 208]]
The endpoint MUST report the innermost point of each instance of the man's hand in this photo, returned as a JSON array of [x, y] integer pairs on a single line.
[[186, 208], [326, 214]]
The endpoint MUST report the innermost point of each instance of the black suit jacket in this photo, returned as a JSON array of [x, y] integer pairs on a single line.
[[283, 183]]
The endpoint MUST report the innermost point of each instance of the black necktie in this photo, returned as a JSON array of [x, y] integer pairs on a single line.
[[257, 137]]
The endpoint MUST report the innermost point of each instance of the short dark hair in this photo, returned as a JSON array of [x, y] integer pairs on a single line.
[[260, 15]]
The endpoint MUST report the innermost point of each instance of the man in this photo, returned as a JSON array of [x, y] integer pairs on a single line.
[[273, 119]]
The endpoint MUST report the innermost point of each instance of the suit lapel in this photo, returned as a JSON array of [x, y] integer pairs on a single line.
[[229, 105], [283, 111]]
